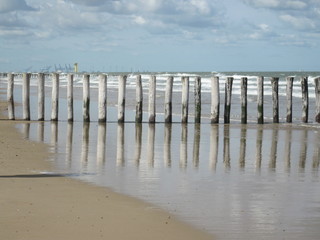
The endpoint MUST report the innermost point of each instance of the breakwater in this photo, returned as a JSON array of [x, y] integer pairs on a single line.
[[216, 102]]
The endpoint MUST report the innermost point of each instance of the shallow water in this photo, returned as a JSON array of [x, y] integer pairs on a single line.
[[235, 181]]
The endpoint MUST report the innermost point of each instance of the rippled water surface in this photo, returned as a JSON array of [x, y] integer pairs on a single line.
[[235, 181]]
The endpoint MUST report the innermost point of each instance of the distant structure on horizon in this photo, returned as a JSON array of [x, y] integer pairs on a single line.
[[66, 68], [75, 67]]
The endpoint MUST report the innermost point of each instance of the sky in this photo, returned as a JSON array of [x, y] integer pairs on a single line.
[[160, 35]]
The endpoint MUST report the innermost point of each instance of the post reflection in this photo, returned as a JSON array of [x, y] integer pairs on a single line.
[[287, 151], [150, 145], [167, 144], [259, 147], [316, 152], [196, 145], [101, 144], [274, 149], [40, 131], [138, 141], [26, 130], [184, 146], [303, 149], [243, 146], [54, 133], [85, 144], [214, 146], [226, 147], [230, 145], [120, 144], [69, 142]]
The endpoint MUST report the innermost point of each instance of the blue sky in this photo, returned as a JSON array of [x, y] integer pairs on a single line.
[[160, 35]]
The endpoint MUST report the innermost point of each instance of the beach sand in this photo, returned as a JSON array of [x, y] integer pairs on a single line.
[[37, 205]]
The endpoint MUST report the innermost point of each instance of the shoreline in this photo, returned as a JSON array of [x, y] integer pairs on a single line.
[[36, 205]]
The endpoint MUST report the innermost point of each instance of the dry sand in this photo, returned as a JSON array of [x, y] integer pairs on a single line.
[[43, 206]]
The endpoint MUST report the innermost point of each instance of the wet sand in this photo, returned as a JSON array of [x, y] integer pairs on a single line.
[[35, 205]]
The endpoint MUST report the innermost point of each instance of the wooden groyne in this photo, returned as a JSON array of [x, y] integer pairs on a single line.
[[215, 116]]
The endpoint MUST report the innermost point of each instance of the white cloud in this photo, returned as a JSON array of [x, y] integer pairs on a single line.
[[139, 20], [90, 2], [296, 4], [277, 4], [263, 3], [14, 5], [299, 22], [262, 32], [13, 33], [149, 5]]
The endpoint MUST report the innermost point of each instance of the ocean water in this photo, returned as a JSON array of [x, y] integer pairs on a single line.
[[205, 77], [234, 181]]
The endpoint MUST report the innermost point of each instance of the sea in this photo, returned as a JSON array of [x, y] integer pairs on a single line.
[[235, 181]]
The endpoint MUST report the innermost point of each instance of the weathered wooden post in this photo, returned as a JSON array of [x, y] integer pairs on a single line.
[[139, 99], [152, 99], [197, 99], [275, 98], [227, 103], [102, 115], [244, 101], [41, 96], [86, 98], [305, 99], [168, 101], [10, 98], [215, 100], [121, 98], [70, 97], [185, 99], [260, 99], [317, 91], [289, 99], [55, 97], [26, 96]]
